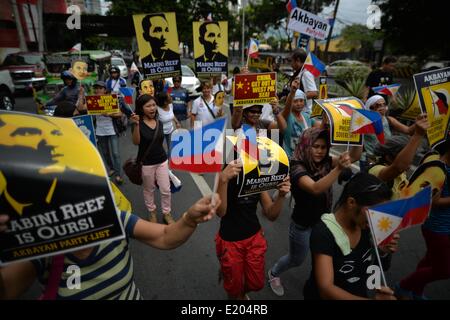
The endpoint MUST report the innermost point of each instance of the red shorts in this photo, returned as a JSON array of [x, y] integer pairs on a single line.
[[242, 264]]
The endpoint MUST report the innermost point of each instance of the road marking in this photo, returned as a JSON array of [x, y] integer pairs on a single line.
[[204, 188]]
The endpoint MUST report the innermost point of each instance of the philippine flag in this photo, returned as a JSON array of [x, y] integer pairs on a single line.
[[127, 94], [199, 150], [314, 65], [389, 217], [76, 48], [291, 5], [440, 101], [253, 48], [366, 121], [389, 90]]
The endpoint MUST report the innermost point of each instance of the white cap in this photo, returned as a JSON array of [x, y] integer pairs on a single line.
[[299, 94], [372, 100]]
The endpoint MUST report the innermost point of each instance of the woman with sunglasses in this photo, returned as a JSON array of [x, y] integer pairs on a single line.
[[313, 172], [342, 248], [390, 124]]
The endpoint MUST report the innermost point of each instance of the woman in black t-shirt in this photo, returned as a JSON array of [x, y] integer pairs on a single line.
[[240, 243], [341, 246], [313, 172], [148, 132]]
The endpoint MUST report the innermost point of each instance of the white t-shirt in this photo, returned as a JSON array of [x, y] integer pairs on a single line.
[[104, 126], [199, 109], [166, 117], [309, 84]]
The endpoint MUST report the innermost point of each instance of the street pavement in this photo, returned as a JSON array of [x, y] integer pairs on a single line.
[[190, 272]]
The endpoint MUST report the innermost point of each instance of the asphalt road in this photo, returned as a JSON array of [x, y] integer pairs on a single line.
[[190, 272]]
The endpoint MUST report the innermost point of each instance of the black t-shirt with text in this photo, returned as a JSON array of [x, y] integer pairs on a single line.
[[350, 271], [240, 221], [157, 154]]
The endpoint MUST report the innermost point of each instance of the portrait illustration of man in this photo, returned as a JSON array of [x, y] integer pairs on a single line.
[[210, 36], [156, 32], [79, 69]]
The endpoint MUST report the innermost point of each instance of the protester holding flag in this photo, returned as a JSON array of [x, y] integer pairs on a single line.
[[106, 269], [313, 172], [240, 243], [378, 104], [380, 77], [342, 248], [148, 133], [435, 265], [396, 155], [306, 78]]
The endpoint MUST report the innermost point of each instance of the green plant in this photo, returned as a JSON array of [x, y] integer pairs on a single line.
[[355, 87], [403, 100], [350, 73]]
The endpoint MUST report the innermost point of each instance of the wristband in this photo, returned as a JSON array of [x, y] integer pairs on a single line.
[[188, 221]]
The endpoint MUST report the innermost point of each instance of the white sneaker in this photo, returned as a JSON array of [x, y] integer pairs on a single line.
[[275, 284]]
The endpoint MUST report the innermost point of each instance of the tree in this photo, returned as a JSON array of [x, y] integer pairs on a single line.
[[358, 37], [418, 27]]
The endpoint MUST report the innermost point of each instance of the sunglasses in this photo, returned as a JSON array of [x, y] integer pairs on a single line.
[[255, 111], [379, 105], [177, 80]]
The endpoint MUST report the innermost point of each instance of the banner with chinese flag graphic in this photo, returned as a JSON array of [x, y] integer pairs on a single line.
[[254, 88], [98, 105]]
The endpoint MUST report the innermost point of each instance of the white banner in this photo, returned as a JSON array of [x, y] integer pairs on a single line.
[[308, 23]]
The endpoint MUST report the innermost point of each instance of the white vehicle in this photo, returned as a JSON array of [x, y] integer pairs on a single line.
[[6, 91], [188, 81], [120, 63], [340, 65]]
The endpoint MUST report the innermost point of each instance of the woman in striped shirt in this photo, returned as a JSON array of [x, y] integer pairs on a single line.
[[107, 269]]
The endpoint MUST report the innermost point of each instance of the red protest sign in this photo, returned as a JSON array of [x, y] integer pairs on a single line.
[[102, 104], [254, 88]]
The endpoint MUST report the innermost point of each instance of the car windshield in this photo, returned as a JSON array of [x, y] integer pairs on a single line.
[[187, 72], [16, 59], [117, 62]]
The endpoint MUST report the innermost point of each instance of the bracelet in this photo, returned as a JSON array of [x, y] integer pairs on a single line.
[[189, 223], [277, 112]]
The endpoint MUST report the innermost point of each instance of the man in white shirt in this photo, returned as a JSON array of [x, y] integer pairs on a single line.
[[307, 81]]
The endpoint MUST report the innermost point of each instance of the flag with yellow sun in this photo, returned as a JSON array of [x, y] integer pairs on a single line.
[[262, 170]]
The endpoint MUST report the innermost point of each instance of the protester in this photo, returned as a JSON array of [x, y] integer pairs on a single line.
[[203, 108], [240, 244], [181, 101], [380, 77], [107, 269], [296, 119], [313, 172], [115, 81], [166, 116], [390, 125], [435, 265], [306, 79], [148, 134], [342, 247], [396, 155]]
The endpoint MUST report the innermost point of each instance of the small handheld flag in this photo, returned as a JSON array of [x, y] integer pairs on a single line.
[[392, 216], [314, 65], [76, 48], [366, 121], [253, 48], [389, 90], [199, 150], [127, 94], [209, 17], [291, 5]]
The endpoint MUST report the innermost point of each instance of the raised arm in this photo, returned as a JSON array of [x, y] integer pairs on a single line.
[[171, 236], [136, 132], [272, 209], [229, 172], [236, 118]]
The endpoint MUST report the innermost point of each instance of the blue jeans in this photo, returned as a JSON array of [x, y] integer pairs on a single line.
[[109, 150], [298, 249]]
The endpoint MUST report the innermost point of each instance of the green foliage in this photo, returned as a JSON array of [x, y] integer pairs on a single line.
[[351, 73], [355, 87], [356, 36], [403, 100]]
